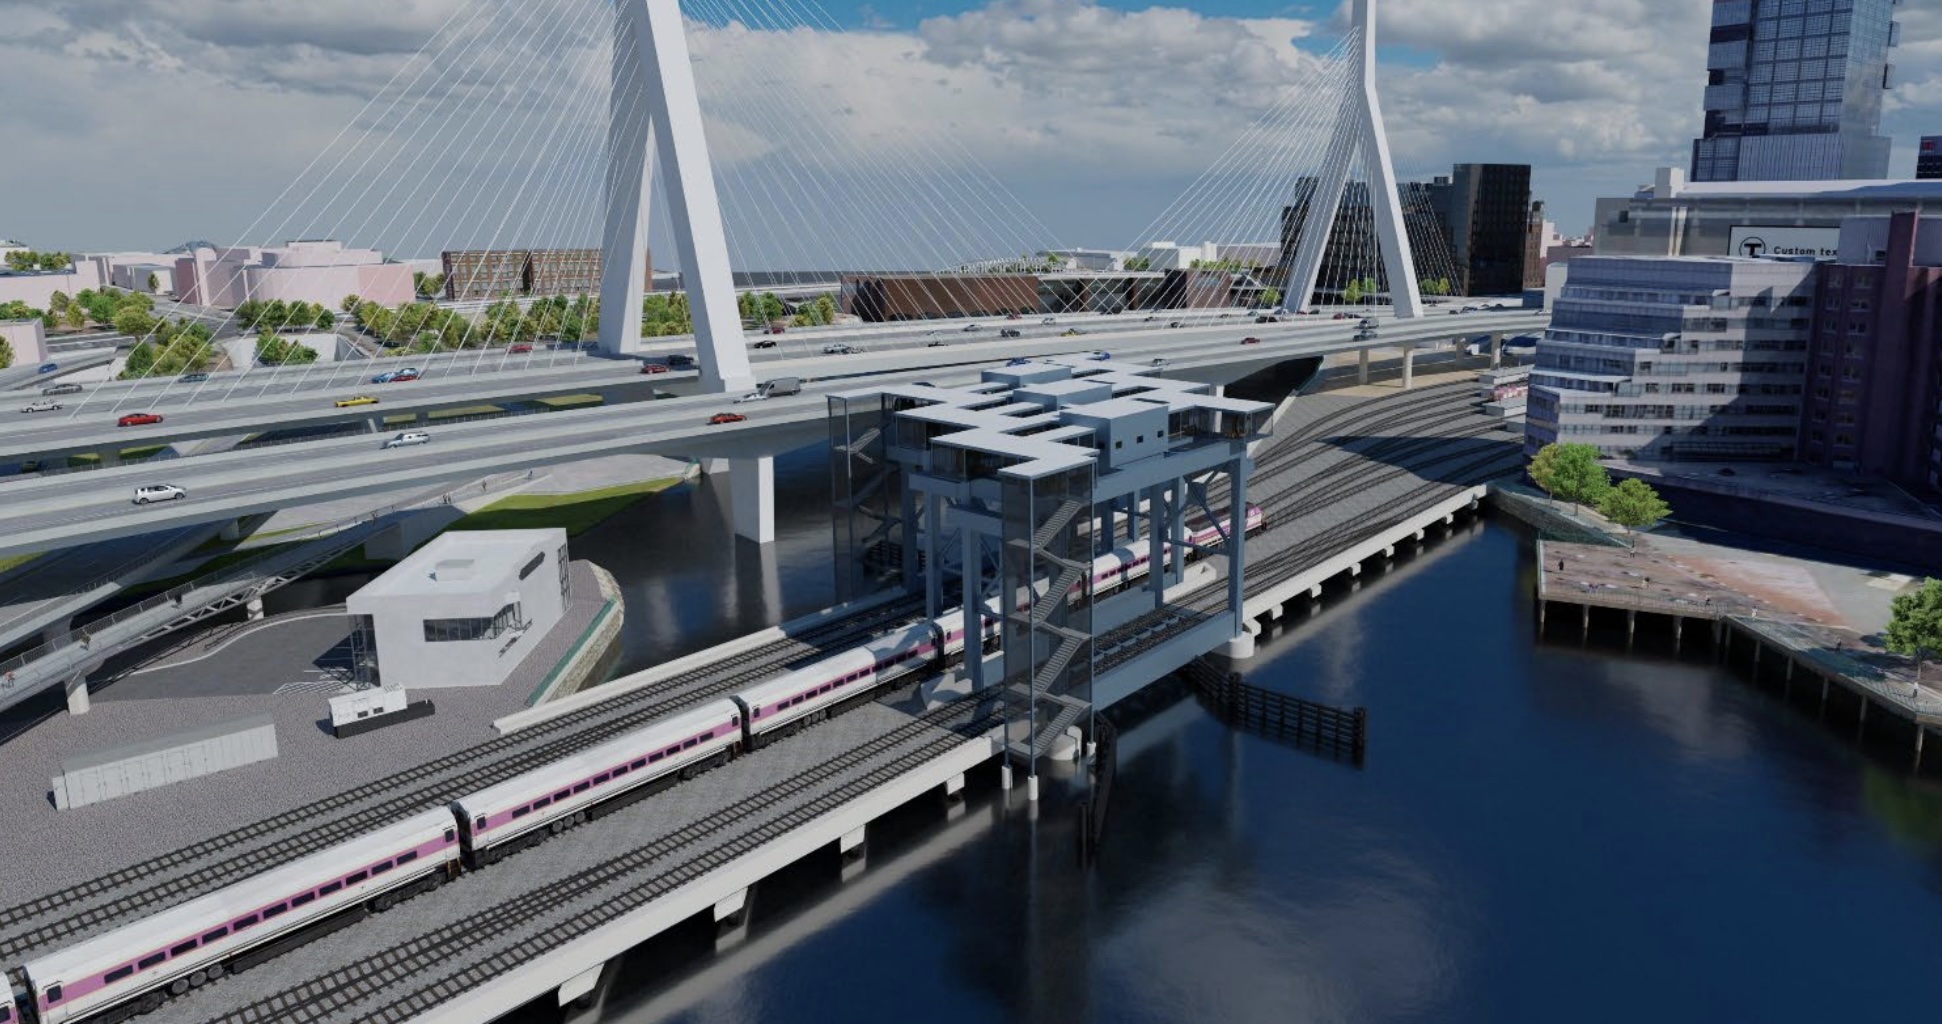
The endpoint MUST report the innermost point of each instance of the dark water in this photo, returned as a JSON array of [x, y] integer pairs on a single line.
[[1540, 833]]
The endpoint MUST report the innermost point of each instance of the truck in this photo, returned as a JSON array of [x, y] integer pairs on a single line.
[[780, 387]]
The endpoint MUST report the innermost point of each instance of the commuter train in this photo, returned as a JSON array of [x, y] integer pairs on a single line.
[[137, 967]]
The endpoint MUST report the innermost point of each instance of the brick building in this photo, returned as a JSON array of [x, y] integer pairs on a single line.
[[884, 297], [495, 273]]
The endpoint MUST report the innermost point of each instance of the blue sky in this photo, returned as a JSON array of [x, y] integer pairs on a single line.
[[907, 13]]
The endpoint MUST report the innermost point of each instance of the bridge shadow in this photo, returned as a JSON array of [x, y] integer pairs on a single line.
[[1433, 458]]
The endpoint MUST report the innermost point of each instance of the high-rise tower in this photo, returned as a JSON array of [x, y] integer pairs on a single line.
[[1794, 90]]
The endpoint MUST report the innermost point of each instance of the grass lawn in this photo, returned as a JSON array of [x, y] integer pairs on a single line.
[[575, 513], [557, 402], [471, 410]]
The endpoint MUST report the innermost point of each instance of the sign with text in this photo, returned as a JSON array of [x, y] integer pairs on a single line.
[[1820, 243]]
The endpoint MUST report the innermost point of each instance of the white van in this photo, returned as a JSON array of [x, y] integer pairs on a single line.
[[158, 492], [408, 438]]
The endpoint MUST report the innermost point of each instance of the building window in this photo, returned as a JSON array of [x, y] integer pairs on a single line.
[[533, 566], [439, 631]]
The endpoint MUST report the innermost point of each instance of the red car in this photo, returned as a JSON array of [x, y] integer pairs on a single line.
[[138, 419], [404, 375], [1339, 316], [725, 417], [1250, 341], [653, 368], [520, 349]]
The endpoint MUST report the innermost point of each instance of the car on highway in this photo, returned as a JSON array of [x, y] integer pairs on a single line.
[[1267, 318], [1011, 332], [346, 403], [61, 389], [1020, 361], [1340, 316], [764, 343], [1176, 323], [48, 367], [773, 329], [519, 349], [399, 375], [1050, 320], [158, 492], [1158, 361], [1149, 319], [139, 419], [192, 378], [653, 368], [939, 343], [838, 349], [1365, 334], [725, 417], [1473, 308], [1250, 341], [409, 438], [1371, 322], [753, 396], [1100, 356], [971, 328], [41, 405], [1071, 332], [679, 360], [1014, 316]]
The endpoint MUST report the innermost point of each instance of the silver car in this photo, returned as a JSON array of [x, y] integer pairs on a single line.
[[43, 405], [409, 438]]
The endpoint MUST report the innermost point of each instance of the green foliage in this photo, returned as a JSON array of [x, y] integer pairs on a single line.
[[1915, 623], [6, 354], [58, 303], [274, 351], [18, 310], [349, 303], [1271, 296], [663, 314], [27, 260], [1633, 504], [1353, 293], [1136, 263], [1570, 472], [174, 347], [135, 323], [75, 317], [1436, 286]]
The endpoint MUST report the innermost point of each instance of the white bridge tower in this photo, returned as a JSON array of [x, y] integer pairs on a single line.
[[1359, 125]]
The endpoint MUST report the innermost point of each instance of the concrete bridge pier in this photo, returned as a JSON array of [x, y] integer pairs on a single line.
[[1241, 647], [255, 608], [78, 702], [751, 487], [1496, 350], [1409, 366], [731, 920], [1362, 367]]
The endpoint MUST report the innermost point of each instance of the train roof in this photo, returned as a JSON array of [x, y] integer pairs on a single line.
[[115, 947], [830, 667], [620, 747]]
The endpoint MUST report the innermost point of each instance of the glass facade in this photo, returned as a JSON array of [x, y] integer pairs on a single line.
[[1794, 90]]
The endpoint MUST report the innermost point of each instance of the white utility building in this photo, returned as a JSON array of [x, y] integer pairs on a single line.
[[463, 610]]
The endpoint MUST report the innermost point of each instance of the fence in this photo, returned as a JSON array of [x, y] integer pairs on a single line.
[[1340, 733]]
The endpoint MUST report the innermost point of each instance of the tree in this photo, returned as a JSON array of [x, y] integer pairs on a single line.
[[133, 322], [58, 303], [155, 282], [1138, 263], [75, 317], [1915, 624], [1353, 293], [274, 351], [325, 320], [1570, 472], [6, 354], [349, 303], [1271, 296], [1633, 504]]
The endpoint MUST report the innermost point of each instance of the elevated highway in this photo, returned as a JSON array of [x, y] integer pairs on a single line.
[[55, 511]]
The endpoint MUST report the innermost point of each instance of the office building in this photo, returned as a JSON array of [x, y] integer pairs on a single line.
[[1794, 91], [1874, 387], [1486, 211], [319, 271], [1350, 253], [518, 273], [1673, 217], [1675, 358], [1928, 158]]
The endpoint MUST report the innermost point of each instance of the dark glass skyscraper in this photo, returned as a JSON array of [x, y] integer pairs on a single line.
[[1794, 91]]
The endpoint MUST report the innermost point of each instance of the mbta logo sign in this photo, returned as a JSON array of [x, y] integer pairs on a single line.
[[1814, 243]]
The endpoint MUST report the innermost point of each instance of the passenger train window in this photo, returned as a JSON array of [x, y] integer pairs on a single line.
[[656, 756], [381, 867], [298, 901], [53, 993], [248, 921], [151, 960], [408, 856], [542, 802], [582, 787], [563, 794], [330, 888], [451, 835], [640, 762], [520, 812], [688, 744], [182, 948], [270, 912], [356, 877], [213, 936], [622, 770], [479, 824], [116, 975], [602, 777]]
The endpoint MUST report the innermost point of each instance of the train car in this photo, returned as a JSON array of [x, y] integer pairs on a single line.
[[137, 967], [784, 705], [520, 811], [1123, 566], [10, 1012]]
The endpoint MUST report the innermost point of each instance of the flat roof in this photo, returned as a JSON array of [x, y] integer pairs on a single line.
[[1844, 189], [461, 562]]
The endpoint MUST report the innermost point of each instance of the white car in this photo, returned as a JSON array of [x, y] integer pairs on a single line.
[[753, 396], [409, 438], [837, 349], [41, 406], [158, 492]]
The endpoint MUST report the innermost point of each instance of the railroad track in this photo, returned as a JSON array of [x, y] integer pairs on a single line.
[[202, 866], [441, 963]]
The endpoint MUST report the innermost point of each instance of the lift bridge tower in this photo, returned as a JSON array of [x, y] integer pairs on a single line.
[[1058, 504], [1359, 132]]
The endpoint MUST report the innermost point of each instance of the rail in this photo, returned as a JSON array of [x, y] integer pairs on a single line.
[[1340, 733]]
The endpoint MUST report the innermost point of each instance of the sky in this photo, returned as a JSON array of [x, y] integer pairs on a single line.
[[842, 132]]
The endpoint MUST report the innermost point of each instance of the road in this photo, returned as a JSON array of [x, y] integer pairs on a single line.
[[55, 511]]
